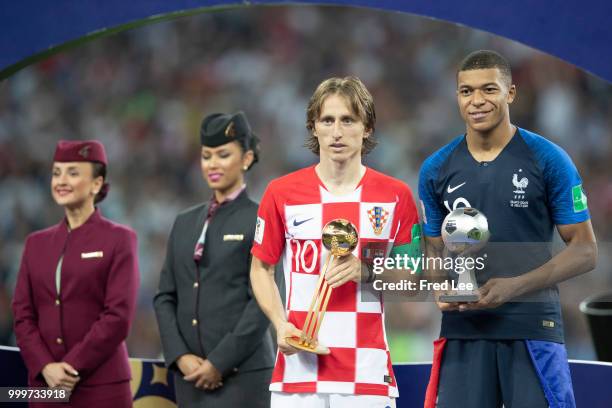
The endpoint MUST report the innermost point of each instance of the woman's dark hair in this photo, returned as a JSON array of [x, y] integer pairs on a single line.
[[250, 143], [99, 170]]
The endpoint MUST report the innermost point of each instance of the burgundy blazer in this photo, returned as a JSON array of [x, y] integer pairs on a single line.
[[87, 323]]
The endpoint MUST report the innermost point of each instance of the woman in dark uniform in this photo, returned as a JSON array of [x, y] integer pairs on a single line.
[[213, 333], [77, 286]]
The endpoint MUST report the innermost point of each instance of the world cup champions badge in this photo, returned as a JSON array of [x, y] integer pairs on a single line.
[[378, 217]]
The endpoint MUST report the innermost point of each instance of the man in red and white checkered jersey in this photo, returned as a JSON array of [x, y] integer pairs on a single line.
[[295, 208]]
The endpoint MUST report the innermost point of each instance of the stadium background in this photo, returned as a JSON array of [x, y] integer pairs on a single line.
[[143, 93]]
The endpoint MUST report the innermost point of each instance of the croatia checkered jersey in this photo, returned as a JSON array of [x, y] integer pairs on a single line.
[[291, 216]]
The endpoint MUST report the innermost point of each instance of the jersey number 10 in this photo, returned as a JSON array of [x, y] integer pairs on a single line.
[[456, 204], [305, 255]]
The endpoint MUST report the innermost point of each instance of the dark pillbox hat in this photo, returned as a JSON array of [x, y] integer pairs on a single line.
[[80, 151], [220, 128]]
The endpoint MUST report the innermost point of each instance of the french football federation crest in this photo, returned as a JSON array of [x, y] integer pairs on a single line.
[[521, 184], [378, 216]]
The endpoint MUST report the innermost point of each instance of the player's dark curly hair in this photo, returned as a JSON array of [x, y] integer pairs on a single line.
[[485, 59], [359, 98]]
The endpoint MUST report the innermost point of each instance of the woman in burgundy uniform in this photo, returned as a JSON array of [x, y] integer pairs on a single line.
[[77, 287]]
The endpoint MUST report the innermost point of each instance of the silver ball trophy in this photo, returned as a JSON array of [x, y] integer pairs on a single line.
[[464, 231]]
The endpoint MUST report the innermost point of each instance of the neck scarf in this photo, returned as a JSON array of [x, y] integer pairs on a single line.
[[213, 206]]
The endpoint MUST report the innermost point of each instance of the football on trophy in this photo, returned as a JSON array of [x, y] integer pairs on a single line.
[[465, 229]]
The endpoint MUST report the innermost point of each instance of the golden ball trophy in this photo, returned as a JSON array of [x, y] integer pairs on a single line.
[[340, 237]]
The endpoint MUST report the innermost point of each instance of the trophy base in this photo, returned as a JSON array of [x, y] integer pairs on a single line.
[[318, 349], [459, 298]]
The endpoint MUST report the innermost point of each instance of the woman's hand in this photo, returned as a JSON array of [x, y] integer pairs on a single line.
[[61, 375], [206, 376], [188, 363]]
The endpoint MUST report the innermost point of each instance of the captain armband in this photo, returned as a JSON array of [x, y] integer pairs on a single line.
[[409, 256]]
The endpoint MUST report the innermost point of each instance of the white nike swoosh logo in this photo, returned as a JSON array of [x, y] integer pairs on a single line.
[[450, 189]]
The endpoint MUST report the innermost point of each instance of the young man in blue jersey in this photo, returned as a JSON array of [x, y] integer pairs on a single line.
[[506, 348]]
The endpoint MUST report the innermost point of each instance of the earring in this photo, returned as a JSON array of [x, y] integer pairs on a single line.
[[245, 168]]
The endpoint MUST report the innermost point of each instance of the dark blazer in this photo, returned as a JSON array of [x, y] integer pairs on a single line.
[[209, 310], [87, 323]]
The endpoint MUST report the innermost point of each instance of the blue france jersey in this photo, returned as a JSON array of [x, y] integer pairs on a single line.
[[530, 187]]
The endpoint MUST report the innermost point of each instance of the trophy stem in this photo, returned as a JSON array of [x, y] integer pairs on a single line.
[[466, 279], [323, 309], [313, 318]]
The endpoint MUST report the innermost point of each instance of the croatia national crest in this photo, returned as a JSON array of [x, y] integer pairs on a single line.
[[378, 218]]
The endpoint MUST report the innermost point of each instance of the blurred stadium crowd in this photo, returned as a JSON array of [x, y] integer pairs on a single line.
[[143, 93]]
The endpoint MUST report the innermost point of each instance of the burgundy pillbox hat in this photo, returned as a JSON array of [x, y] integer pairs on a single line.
[[79, 151]]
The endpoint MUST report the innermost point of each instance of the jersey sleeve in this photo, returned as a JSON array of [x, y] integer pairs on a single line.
[[433, 212], [566, 197], [408, 238], [408, 216], [269, 239]]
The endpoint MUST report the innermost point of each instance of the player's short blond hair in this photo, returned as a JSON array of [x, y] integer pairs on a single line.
[[361, 103]]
